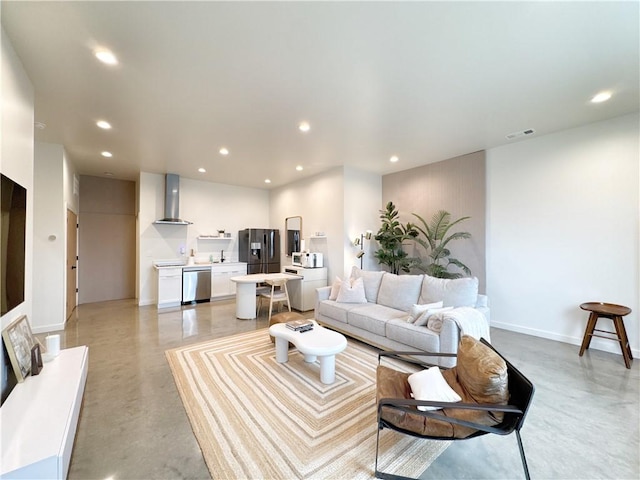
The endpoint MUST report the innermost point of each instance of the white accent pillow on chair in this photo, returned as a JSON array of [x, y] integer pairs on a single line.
[[430, 385]]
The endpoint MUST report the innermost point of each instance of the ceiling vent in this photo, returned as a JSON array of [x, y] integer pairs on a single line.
[[524, 133]]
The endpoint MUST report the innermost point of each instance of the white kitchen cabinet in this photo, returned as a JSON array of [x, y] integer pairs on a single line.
[[221, 273], [169, 286], [302, 294]]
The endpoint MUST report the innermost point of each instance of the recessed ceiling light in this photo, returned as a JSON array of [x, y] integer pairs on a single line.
[[105, 56], [299, 168], [394, 159], [304, 127], [266, 180], [107, 154], [601, 97], [224, 151], [103, 124], [108, 174], [202, 170]]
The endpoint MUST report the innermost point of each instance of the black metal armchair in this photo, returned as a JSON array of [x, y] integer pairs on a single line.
[[453, 421]]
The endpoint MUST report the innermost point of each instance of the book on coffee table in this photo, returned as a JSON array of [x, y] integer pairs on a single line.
[[300, 325]]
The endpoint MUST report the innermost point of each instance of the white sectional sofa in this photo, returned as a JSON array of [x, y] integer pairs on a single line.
[[390, 300]]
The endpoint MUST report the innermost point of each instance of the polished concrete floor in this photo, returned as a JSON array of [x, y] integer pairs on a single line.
[[583, 423]]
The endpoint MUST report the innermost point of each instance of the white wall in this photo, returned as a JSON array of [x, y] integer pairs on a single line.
[[362, 204], [563, 214], [49, 252], [319, 201], [210, 206], [342, 203], [16, 161], [16, 154]]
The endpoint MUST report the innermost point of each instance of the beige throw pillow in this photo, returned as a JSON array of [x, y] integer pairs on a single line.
[[352, 292], [335, 288], [427, 315], [417, 310]]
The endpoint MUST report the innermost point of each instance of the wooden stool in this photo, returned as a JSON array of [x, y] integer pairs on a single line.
[[615, 313], [284, 317]]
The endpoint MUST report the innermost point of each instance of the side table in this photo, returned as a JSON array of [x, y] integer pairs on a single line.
[[615, 313]]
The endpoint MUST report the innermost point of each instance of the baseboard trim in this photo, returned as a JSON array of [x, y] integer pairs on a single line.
[[53, 327], [609, 346]]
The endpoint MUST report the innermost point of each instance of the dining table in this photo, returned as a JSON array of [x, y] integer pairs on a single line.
[[246, 291]]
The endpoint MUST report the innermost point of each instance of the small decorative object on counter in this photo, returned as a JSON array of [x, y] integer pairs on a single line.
[[192, 258], [221, 233], [36, 359]]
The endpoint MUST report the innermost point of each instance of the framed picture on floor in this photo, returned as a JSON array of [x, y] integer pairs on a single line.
[[18, 340]]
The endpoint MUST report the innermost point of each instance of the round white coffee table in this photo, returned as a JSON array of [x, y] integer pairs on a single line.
[[320, 343]]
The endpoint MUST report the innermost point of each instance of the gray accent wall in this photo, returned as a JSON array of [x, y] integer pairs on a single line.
[[457, 185], [106, 240]]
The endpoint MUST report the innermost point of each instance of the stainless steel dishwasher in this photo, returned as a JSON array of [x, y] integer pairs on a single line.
[[196, 284]]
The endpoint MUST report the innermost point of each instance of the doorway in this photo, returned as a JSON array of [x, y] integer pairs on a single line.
[[72, 261]]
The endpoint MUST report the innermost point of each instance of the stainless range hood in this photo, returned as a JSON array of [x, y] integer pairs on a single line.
[[172, 202]]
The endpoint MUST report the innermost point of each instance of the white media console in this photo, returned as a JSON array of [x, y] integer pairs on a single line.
[[40, 416]]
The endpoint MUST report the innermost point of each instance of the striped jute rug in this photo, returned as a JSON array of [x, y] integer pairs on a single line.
[[259, 419]]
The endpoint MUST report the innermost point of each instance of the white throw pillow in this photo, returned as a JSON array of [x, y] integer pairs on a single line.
[[352, 292], [335, 288], [430, 385], [422, 320], [417, 310]]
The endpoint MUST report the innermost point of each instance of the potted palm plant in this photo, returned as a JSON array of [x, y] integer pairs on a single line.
[[435, 242]]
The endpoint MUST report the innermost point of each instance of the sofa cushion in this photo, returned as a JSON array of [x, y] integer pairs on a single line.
[[400, 291], [457, 292], [371, 280], [420, 338], [335, 310], [351, 291], [373, 317]]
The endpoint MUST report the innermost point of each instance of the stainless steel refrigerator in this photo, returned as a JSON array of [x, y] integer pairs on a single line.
[[260, 248]]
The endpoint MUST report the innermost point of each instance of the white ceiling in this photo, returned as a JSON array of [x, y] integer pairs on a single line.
[[422, 80]]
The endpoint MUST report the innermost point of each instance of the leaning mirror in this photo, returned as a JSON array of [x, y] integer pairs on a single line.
[[293, 232]]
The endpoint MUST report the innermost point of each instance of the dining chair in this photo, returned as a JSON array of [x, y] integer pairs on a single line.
[[277, 294]]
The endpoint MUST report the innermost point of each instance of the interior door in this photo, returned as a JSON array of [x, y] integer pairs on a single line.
[[72, 262]]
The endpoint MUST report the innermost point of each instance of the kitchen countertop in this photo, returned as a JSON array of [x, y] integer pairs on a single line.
[[164, 265]]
